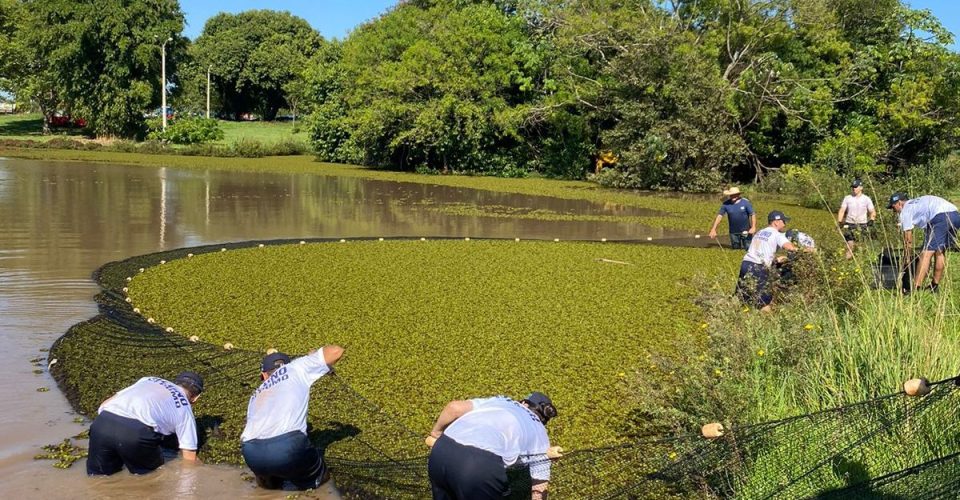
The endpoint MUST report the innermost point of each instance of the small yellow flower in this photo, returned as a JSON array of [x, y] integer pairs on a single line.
[[746, 309], [808, 327], [760, 352], [703, 326], [621, 374], [717, 372], [672, 455]]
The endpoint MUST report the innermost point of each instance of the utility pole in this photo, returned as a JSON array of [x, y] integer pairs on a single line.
[[208, 91], [163, 81]]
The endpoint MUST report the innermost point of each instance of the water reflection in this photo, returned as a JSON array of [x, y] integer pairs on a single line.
[[60, 221]]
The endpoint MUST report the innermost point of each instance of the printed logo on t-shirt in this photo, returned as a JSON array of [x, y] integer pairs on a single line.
[[278, 375], [178, 398]]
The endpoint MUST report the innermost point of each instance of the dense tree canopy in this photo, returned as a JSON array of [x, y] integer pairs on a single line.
[[98, 59], [685, 94], [253, 57]]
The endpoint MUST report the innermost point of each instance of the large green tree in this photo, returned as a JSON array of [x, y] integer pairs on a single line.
[[98, 59], [253, 57]]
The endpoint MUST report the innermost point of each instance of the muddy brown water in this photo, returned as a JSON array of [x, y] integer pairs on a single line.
[[61, 220]]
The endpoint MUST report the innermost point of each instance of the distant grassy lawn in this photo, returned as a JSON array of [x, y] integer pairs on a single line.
[[266, 132], [29, 126]]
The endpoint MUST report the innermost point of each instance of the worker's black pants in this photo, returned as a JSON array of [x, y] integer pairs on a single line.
[[116, 442], [459, 472]]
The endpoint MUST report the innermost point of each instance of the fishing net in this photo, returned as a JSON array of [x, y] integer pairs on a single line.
[[894, 446]]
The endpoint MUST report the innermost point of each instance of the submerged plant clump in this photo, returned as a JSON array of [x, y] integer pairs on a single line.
[[423, 322], [64, 454]]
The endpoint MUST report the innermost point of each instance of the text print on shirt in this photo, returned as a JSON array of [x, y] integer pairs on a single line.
[[279, 375], [178, 399]]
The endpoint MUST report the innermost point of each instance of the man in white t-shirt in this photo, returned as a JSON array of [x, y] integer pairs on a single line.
[[753, 283], [131, 425], [856, 215], [939, 220], [274, 442], [474, 441]]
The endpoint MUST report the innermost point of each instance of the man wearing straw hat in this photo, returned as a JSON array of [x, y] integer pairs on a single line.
[[740, 216]]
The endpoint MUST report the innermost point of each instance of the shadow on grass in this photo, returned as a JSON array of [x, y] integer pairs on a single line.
[[27, 125]]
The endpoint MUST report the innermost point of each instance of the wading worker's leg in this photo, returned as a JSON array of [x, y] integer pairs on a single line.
[[941, 234], [753, 285], [460, 472], [117, 441], [287, 457]]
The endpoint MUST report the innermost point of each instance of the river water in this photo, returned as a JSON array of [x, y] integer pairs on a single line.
[[59, 221]]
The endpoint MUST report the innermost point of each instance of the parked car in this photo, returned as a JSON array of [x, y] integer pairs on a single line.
[[65, 120]]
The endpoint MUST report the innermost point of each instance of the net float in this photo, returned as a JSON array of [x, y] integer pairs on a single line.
[[271, 351], [128, 299], [151, 321], [189, 255], [136, 310], [194, 338], [917, 387], [169, 330], [712, 430], [228, 346]]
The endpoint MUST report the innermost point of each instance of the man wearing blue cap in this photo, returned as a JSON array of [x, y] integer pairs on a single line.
[[274, 442], [474, 441], [753, 284], [740, 216], [131, 425], [856, 215], [939, 220]]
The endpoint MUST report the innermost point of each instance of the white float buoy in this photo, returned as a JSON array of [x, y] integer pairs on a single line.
[[466, 239], [128, 299], [223, 249], [423, 239], [556, 239], [303, 242], [260, 245], [380, 239], [917, 387], [228, 346], [189, 255], [162, 262], [712, 430], [125, 289], [697, 236], [194, 338], [516, 239], [169, 330], [343, 240], [136, 310], [52, 362], [649, 238], [151, 321], [129, 278], [142, 269], [603, 240], [271, 351]]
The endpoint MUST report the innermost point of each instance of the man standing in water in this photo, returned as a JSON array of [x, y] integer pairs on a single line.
[[131, 425], [740, 216], [753, 284], [856, 214], [474, 441], [939, 219], [274, 442]]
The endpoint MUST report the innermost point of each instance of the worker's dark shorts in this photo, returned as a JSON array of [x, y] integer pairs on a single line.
[[288, 461], [740, 241], [753, 284], [460, 472], [941, 234], [854, 232], [116, 442]]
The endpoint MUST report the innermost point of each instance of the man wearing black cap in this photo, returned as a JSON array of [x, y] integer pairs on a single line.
[[753, 283], [131, 425], [274, 442], [474, 441], [939, 219], [856, 215]]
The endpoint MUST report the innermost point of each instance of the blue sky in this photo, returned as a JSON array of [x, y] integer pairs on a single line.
[[335, 18]]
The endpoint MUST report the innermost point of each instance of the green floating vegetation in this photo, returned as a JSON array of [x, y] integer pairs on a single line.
[[426, 322], [64, 454], [43, 389], [423, 322]]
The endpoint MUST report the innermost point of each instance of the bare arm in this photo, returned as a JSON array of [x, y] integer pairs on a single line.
[[713, 229], [790, 247], [538, 490], [841, 213], [753, 223], [332, 354], [907, 248], [873, 215], [453, 410]]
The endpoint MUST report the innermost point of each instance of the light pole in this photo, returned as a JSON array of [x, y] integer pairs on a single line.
[[208, 90], [163, 81]]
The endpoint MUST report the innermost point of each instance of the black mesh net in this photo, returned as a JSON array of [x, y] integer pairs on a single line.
[[894, 446]]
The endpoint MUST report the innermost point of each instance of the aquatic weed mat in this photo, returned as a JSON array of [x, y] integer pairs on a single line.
[[376, 451]]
